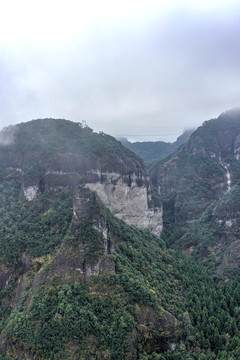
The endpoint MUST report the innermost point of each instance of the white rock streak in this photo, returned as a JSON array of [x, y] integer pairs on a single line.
[[30, 192], [228, 175]]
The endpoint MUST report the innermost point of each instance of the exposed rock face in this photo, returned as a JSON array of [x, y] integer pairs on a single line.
[[157, 328], [128, 198], [70, 263], [30, 192], [128, 195]]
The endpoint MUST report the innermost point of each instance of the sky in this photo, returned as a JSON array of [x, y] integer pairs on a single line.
[[145, 70]]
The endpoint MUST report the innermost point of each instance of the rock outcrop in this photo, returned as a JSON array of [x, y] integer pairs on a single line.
[[129, 198]]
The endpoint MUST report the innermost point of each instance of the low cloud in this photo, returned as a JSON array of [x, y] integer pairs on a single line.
[[153, 74], [7, 135]]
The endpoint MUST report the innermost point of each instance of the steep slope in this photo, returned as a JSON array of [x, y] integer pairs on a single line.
[[50, 155], [199, 186], [151, 151]]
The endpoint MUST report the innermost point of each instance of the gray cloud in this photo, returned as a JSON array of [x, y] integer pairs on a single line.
[[152, 76]]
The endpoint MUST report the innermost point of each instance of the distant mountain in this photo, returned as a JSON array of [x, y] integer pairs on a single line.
[[150, 151]]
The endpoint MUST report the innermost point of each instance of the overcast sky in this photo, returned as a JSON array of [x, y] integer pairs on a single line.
[[145, 70]]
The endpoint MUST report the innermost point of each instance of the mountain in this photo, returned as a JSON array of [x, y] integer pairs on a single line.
[[79, 282], [150, 151], [199, 187], [50, 155]]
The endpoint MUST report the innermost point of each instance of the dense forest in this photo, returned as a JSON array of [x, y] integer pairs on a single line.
[[79, 283]]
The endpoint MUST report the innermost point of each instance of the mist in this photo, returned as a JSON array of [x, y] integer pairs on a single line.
[[7, 135], [141, 70]]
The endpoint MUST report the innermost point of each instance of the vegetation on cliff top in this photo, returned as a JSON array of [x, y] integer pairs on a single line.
[[49, 137]]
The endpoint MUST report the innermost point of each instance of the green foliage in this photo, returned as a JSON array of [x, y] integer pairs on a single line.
[[69, 313], [37, 227], [151, 151], [231, 199], [91, 240], [212, 305], [49, 137]]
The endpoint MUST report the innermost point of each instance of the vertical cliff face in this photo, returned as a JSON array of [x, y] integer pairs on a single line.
[[51, 155], [129, 197]]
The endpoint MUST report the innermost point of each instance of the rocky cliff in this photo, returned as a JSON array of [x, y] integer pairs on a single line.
[[51, 155]]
